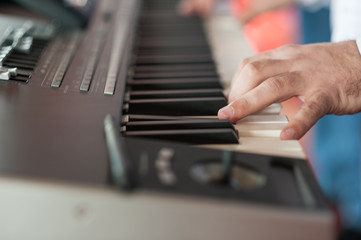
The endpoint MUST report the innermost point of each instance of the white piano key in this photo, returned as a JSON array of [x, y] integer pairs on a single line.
[[5, 76], [264, 145], [274, 108], [229, 48], [259, 130], [228, 45], [263, 119]]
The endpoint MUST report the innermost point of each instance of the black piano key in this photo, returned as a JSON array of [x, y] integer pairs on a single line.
[[163, 29], [190, 59], [23, 75], [179, 43], [173, 84], [192, 136], [174, 20], [174, 68], [176, 94], [40, 41], [20, 79], [165, 4], [165, 20], [20, 60], [19, 65], [178, 106], [167, 27], [174, 75], [181, 74], [170, 51], [178, 124], [32, 54], [25, 60], [141, 117], [166, 34], [36, 47], [24, 57], [177, 37]]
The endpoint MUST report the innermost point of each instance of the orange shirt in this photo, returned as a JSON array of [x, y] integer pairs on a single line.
[[269, 30]]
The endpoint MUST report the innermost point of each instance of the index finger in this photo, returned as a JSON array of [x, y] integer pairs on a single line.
[[254, 73], [275, 89]]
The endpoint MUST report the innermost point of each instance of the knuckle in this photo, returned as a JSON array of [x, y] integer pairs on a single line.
[[253, 69], [300, 57], [318, 104], [244, 62], [277, 84]]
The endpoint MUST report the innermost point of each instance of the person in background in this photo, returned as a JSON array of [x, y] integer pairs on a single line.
[[326, 77], [259, 29]]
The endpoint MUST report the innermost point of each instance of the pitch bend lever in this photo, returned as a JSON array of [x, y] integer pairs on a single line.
[[118, 155]]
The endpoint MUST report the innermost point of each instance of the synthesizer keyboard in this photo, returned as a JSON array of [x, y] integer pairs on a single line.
[[110, 130]]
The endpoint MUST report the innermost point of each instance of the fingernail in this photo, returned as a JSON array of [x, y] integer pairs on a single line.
[[289, 133], [226, 112]]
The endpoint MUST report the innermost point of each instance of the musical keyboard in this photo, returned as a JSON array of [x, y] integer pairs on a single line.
[[155, 74], [174, 74]]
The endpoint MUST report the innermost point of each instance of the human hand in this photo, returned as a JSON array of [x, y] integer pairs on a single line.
[[246, 10], [196, 7], [326, 77]]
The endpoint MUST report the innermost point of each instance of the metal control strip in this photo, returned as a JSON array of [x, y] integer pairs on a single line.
[[93, 59], [124, 17], [69, 52]]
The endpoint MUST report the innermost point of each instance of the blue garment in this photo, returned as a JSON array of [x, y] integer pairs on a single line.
[[316, 26], [338, 141], [337, 166]]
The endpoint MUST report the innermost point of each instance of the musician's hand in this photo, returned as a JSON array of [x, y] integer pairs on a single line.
[[326, 77], [254, 8], [196, 7]]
